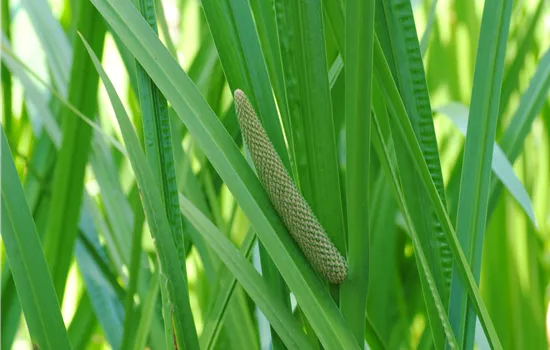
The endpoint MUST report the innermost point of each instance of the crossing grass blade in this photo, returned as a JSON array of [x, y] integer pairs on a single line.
[[28, 265], [265, 297]]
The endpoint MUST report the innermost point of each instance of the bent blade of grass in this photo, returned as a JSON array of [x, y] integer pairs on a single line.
[[226, 158], [27, 263], [156, 216], [478, 152]]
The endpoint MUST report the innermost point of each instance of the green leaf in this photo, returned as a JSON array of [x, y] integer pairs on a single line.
[[432, 296], [103, 292], [358, 80], [401, 44], [156, 216], [402, 125], [83, 324], [476, 170], [147, 311], [158, 148], [33, 95], [237, 42], [7, 96], [264, 16], [302, 41], [28, 265]]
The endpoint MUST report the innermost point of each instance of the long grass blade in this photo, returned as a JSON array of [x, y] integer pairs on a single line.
[[358, 80], [28, 265], [476, 170], [158, 222], [403, 126], [158, 148]]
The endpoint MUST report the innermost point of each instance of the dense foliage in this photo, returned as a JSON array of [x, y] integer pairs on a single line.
[[132, 216]]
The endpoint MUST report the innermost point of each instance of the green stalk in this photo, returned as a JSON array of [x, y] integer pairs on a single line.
[[476, 171]]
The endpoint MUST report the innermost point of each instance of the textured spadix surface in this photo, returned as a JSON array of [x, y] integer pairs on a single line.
[[294, 210]]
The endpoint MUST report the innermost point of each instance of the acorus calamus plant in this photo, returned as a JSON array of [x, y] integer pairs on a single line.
[[293, 208]]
